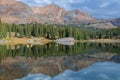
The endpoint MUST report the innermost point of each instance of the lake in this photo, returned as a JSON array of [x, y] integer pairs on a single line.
[[79, 61]]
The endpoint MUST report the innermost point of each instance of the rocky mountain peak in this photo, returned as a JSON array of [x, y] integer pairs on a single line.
[[53, 6], [4, 2], [20, 12]]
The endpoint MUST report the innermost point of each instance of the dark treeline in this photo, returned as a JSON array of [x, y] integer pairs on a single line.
[[105, 34], [41, 30], [54, 31]]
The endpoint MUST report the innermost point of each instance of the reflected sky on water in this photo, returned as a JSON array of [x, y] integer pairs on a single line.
[[54, 60], [98, 71]]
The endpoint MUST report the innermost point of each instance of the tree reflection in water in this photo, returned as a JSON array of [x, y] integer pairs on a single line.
[[19, 60]]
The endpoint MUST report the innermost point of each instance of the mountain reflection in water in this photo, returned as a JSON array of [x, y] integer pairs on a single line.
[[17, 61], [98, 71]]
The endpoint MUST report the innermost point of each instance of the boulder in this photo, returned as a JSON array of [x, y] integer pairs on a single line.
[[67, 39]]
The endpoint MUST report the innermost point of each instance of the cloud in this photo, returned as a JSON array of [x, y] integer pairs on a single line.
[[77, 1], [48, 1], [43, 1], [38, 1], [104, 5]]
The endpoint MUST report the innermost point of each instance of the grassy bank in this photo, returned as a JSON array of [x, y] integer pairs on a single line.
[[25, 41]]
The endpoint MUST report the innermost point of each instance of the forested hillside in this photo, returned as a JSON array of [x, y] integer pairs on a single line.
[[53, 31]]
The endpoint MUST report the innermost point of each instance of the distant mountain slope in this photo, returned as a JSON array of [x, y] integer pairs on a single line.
[[102, 25], [115, 22]]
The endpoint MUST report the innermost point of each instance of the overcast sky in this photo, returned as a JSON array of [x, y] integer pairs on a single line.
[[96, 8]]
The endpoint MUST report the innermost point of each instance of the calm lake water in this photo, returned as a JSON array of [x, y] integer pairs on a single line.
[[81, 61]]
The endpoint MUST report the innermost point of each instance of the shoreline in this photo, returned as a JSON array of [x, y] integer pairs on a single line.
[[25, 41], [100, 41], [43, 41]]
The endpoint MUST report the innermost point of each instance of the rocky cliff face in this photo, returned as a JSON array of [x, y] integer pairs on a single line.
[[55, 14], [8, 2], [13, 11], [49, 14], [16, 12]]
